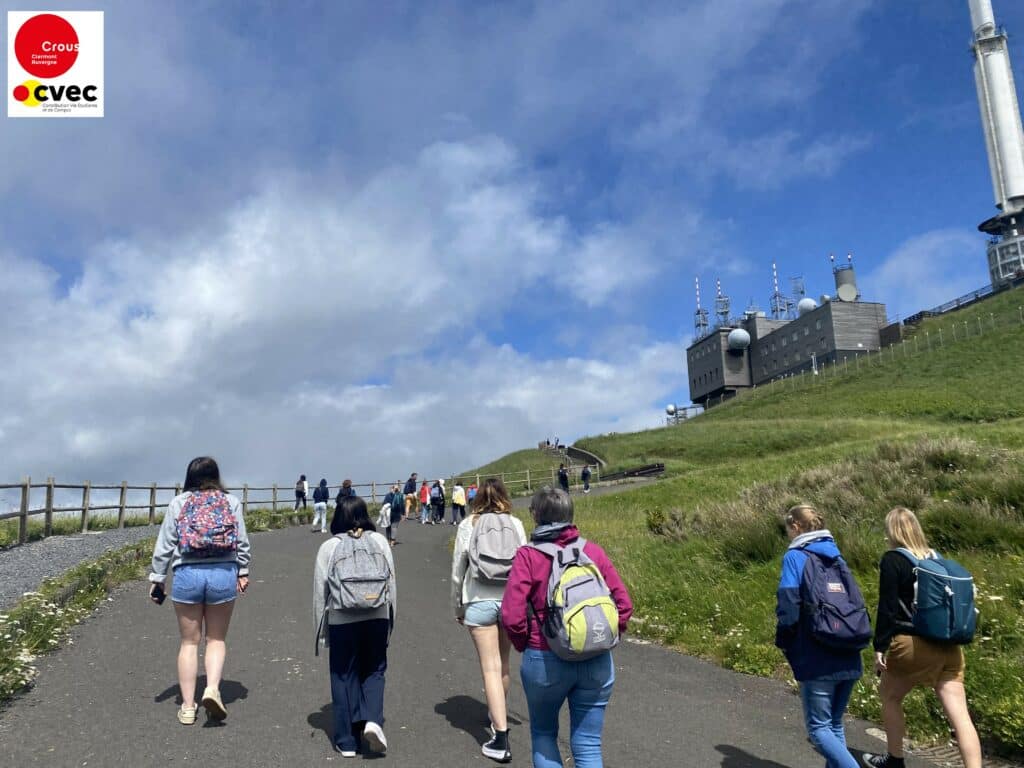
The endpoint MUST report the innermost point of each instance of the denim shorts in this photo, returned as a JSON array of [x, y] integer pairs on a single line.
[[483, 613], [205, 583]]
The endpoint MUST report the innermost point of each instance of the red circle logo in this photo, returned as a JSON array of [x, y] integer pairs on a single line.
[[20, 93], [46, 46]]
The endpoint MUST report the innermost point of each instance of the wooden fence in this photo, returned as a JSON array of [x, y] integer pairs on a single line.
[[251, 496]]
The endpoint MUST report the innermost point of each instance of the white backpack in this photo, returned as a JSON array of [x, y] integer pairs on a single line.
[[492, 547]]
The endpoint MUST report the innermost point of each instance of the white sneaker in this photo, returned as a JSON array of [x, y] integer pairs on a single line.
[[373, 738]]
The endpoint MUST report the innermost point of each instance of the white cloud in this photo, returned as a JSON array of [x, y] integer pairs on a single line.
[[260, 339], [927, 270]]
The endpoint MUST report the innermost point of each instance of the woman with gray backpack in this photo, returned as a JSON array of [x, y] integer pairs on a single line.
[[485, 546], [925, 613], [564, 608], [354, 606]]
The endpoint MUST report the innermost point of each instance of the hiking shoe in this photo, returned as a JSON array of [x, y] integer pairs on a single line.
[[187, 715], [213, 705], [373, 738], [497, 748], [880, 761]]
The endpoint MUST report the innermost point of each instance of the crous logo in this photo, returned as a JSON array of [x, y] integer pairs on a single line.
[[46, 46]]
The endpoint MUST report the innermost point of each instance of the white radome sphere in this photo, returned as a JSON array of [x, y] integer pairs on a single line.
[[670, 409], [738, 339], [805, 305]]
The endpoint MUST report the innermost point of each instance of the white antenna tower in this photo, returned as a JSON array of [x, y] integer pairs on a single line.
[[722, 305], [778, 304], [700, 315]]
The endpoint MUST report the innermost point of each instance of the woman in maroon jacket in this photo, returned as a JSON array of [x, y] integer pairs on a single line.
[[548, 680]]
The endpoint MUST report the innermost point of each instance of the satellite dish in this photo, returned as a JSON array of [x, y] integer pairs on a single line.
[[846, 292], [670, 409], [805, 305], [738, 340]]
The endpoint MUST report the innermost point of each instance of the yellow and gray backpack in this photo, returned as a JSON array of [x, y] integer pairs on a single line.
[[581, 619]]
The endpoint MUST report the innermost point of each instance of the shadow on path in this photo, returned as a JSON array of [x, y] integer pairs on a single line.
[[230, 691], [734, 757]]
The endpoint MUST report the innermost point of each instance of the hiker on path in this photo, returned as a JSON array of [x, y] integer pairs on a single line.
[[321, 495], [826, 674], [345, 491], [485, 546], [203, 540], [425, 503], [301, 491], [396, 501], [471, 492], [410, 495], [437, 502], [563, 477], [458, 504], [548, 678], [355, 625], [904, 658], [585, 477]]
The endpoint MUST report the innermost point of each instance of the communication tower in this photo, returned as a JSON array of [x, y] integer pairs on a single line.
[[700, 315], [779, 304], [723, 305]]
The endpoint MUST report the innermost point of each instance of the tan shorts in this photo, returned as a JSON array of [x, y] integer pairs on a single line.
[[924, 662]]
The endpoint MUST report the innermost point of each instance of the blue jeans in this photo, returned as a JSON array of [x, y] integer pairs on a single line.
[[548, 681], [424, 513], [359, 658], [824, 704]]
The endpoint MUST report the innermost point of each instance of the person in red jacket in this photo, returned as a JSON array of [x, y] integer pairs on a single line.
[[548, 680]]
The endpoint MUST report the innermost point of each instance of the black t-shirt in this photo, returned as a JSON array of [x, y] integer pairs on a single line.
[[895, 586]]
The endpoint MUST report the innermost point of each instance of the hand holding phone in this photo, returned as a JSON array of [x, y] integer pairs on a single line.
[[157, 594]]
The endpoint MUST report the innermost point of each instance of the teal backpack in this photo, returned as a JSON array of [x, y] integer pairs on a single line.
[[943, 608]]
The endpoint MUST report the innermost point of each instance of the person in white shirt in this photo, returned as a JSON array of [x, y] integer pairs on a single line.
[[477, 606]]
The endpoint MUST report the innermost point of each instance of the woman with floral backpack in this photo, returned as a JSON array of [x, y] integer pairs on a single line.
[[204, 543]]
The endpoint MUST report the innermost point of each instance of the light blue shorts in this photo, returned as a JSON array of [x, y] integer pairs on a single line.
[[483, 613], [205, 583]]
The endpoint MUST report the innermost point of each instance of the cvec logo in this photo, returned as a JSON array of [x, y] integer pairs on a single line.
[[55, 64]]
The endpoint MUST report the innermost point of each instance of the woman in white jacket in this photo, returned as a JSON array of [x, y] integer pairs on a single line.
[[357, 639], [477, 606]]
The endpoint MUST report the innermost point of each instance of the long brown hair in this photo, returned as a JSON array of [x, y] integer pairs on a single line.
[[492, 497]]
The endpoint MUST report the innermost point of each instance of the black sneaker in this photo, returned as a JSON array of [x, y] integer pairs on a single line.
[[497, 748], [881, 761]]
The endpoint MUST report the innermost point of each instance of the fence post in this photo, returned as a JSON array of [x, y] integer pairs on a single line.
[[85, 506], [940, 337], [48, 518], [274, 502], [528, 479], [992, 316], [245, 499], [980, 331], [1020, 311], [121, 503], [152, 504], [917, 346], [373, 491], [26, 490]]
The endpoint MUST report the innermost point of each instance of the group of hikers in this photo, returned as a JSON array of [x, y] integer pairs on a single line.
[[557, 599]]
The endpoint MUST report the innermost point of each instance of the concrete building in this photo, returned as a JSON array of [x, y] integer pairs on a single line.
[[755, 349]]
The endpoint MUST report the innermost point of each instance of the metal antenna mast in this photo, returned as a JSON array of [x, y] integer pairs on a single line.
[[779, 304], [722, 305], [700, 315]]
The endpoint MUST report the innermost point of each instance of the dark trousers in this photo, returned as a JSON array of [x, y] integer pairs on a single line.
[[359, 658], [458, 513], [300, 498]]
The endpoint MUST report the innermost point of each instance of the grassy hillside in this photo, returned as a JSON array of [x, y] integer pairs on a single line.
[[940, 430], [520, 461]]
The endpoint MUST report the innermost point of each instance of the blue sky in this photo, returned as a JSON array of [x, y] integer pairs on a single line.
[[306, 235]]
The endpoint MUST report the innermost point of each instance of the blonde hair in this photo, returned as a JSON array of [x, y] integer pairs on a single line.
[[903, 530], [492, 497], [805, 517]]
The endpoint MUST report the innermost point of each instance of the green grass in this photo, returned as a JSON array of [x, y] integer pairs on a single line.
[[939, 430], [514, 465]]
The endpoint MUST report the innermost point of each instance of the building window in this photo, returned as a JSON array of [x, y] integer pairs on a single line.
[[821, 342], [817, 324], [807, 331], [773, 346], [794, 335], [764, 370]]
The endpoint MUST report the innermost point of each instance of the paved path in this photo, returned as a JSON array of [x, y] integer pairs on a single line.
[[110, 697]]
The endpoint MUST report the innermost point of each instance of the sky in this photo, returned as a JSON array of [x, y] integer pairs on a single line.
[[359, 239]]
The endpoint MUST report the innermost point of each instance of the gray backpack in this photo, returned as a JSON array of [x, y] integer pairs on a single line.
[[492, 548], [358, 575], [581, 619]]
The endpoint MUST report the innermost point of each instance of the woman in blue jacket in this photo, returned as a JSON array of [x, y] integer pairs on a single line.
[[826, 675]]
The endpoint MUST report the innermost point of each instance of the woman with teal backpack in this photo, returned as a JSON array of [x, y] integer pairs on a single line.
[[904, 658]]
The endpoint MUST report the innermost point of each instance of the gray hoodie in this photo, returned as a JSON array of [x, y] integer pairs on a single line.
[[166, 550]]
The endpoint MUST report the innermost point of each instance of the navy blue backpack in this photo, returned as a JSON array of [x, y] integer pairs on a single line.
[[833, 604], [943, 607]]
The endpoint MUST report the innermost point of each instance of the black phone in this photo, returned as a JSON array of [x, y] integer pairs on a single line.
[[158, 595]]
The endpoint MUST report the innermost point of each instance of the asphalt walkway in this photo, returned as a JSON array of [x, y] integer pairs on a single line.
[[109, 698]]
